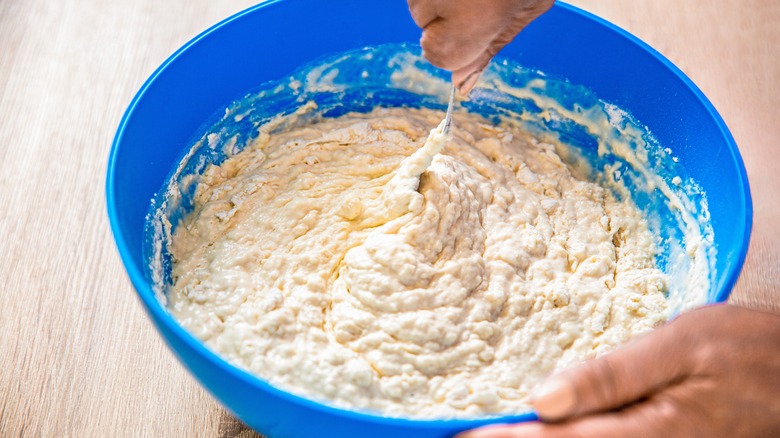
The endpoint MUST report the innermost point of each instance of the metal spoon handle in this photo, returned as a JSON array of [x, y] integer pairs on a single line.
[[448, 117]]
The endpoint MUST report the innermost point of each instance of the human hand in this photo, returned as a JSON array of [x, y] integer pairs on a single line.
[[463, 35], [711, 372]]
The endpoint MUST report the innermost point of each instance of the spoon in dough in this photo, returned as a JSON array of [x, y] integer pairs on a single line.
[[448, 117], [400, 193]]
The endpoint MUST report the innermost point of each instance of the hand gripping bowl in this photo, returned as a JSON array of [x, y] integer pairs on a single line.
[[271, 40]]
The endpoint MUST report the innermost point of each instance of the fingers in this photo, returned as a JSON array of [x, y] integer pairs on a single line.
[[463, 36], [453, 33], [647, 419], [451, 38], [677, 381], [452, 43], [423, 11], [628, 374], [466, 77]]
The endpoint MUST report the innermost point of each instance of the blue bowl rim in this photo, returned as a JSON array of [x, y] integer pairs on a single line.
[[157, 311]]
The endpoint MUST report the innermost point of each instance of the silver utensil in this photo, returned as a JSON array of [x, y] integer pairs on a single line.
[[448, 117]]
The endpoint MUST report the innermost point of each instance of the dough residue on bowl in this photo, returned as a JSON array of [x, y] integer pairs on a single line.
[[350, 261]]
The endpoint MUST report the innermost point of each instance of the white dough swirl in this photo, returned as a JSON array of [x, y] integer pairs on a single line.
[[352, 262]]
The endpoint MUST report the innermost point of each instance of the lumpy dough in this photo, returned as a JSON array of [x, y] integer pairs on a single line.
[[352, 262]]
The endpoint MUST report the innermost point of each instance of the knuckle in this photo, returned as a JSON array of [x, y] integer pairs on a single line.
[[418, 10], [666, 410], [597, 388], [663, 409], [438, 50], [605, 375]]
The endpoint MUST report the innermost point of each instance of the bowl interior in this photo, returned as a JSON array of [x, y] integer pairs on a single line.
[[262, 44]]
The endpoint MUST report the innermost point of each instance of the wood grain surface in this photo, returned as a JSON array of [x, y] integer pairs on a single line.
[[78, 356]]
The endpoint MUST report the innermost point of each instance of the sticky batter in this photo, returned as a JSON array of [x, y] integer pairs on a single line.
[[353, 262]]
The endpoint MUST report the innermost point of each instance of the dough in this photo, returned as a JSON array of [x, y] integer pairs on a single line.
[[351, 262]]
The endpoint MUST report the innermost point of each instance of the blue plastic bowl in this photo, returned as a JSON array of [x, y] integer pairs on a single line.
[[272, 39]]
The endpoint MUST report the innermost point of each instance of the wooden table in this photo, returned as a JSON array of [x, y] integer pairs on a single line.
[[78, 356]]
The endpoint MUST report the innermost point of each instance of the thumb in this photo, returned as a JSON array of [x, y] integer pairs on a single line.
[[628, 374]]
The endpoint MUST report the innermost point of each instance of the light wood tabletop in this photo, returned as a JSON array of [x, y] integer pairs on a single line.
[[78, 356]]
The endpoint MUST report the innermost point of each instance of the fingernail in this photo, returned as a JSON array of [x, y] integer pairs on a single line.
[[465, 87], [554, 400]]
